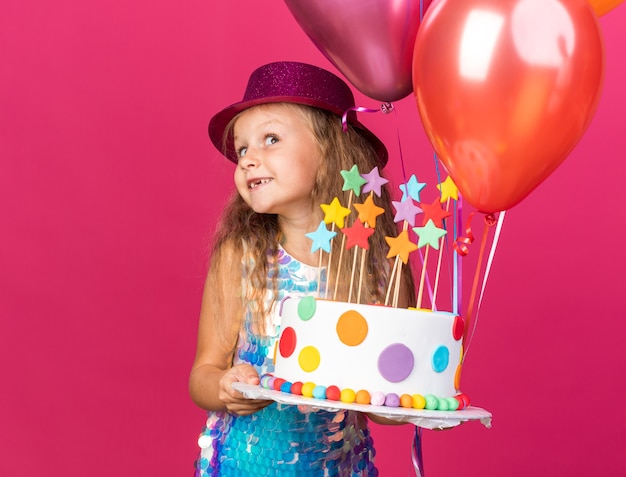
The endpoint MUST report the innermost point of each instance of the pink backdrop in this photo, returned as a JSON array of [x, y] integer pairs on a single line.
[[109, 191]]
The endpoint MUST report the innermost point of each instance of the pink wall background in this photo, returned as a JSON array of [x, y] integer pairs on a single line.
[[109, 191]]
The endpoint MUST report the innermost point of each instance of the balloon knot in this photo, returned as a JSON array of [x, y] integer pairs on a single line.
[[490, 220], [386, 107]]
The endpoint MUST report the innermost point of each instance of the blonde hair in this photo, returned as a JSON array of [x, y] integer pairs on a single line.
[[258, 235]]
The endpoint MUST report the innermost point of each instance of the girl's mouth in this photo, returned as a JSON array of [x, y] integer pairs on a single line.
[[253, 184]]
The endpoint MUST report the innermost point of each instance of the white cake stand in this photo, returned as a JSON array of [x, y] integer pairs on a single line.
[[419, 417]]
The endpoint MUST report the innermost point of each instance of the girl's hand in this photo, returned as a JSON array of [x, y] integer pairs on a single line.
[[235, 401]]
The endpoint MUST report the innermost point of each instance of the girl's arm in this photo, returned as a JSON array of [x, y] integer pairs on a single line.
[[222, 311]]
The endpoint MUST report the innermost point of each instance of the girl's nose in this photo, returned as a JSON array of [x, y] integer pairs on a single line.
[[250, 160]]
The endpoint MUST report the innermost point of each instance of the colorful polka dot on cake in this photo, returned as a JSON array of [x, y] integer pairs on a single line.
[[309, 358], [441, 358], [458, 327], [395, 362], [351, 328], [306, 308], [287, 343], [457, 378]]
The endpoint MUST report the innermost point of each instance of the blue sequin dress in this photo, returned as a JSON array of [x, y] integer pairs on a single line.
[[283, 440]]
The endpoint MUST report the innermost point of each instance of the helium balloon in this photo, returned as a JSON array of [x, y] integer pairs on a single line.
[[505, 90], [604, 6], [371, 42]]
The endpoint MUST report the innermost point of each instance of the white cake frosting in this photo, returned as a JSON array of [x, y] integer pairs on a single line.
[[367, 347]]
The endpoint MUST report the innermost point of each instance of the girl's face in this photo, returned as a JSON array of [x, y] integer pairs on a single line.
[[278, 160]]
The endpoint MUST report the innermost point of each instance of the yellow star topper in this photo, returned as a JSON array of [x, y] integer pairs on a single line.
[[335, 212], [448, 190], [400, 246], [368, 211]]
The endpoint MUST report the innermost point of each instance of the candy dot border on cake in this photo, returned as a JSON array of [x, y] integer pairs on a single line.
[[428, 402]]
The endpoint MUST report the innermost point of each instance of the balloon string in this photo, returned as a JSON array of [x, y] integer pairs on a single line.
[[490, 220], [457, 263], [461, 244], [416, 454], [446, 240], [386, 108], [492, 252], [457, 218], [404, 179]]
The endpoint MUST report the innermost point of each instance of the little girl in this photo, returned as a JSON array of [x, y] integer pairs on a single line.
[[287, 141]]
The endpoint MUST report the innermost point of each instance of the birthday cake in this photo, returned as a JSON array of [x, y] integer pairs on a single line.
[[369, 354]]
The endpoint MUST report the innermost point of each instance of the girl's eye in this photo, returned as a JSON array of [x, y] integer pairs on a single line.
[[271, 139], [241, 151]]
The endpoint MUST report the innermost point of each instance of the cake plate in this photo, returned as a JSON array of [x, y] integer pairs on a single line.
[[419, 417]]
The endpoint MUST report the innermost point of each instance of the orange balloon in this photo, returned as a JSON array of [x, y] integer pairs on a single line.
[[604, 6], [505, 89]]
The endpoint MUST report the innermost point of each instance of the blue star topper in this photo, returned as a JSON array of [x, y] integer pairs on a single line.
[[412, 189], [321, 238]]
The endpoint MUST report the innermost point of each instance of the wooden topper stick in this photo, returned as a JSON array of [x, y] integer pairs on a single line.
[[319, 274], [397, 275], [352, 275], [421, 288], [437, 275], [391, 279], [343, 245], [362, 269], [358, 298], [397, 289], [405, 227], [328, 268]]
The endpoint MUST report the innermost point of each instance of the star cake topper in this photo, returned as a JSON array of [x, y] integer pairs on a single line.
[[352, 180], [321, 238], [374, 182], [335, 212]]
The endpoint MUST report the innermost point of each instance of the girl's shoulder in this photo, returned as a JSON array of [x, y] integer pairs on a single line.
[[227, 255]]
